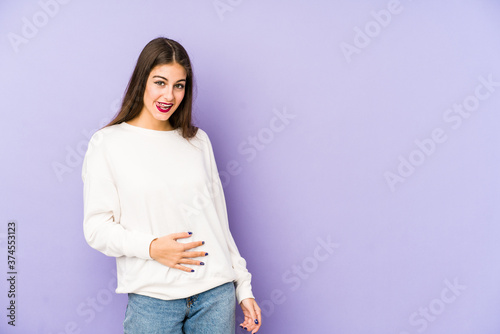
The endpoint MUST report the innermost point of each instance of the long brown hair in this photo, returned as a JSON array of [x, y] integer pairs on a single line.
[[159, 51]]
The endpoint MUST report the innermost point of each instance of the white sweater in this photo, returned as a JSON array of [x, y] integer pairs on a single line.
[[141, 184]]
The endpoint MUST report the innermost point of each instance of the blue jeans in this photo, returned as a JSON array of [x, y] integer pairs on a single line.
[[211, 312]]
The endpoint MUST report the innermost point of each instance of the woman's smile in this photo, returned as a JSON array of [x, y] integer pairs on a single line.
[[164, 107]]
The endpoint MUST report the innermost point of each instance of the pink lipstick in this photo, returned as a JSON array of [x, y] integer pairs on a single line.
[[163, 107]]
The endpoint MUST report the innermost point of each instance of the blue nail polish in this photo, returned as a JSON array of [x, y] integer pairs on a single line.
[[203, 242], [245, 328], [256, 321], [206, 254], [241, 326], [192, 270], [190, 233], [202, 263]]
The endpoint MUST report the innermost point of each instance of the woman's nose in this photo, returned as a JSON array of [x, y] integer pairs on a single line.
[[168, 94]]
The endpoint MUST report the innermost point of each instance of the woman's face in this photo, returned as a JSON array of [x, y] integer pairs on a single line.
[[164, 92]]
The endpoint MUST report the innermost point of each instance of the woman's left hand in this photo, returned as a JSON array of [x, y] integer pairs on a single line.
[[252, 314]]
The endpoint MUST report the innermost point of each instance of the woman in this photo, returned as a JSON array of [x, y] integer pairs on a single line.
[[153, 199]]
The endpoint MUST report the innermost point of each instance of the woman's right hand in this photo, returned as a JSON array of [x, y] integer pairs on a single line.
[[167, 251]]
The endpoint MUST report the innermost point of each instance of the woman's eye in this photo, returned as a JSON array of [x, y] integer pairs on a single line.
[[180, 86], [160, 83]]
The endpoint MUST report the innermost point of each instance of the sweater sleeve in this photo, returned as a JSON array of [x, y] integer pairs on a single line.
[[101, 221], [243, 277]]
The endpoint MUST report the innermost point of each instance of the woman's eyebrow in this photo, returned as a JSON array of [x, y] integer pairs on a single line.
[[159, 76]]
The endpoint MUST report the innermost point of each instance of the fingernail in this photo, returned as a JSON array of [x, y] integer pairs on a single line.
[[190, 233], [203, 242], [256, 321], [202, 263], [192, 270], [245, 328], [206, 254], [241, 326]]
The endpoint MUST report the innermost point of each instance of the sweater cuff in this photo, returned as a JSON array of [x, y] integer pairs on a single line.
[[243, 291], [142, 244]]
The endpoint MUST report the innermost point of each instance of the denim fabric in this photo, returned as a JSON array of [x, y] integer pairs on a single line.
[[211, 312]]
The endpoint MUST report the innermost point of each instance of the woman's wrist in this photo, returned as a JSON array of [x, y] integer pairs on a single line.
[[150, 248]]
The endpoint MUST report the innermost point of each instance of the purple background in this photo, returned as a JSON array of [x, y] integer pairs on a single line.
[[320, 176]]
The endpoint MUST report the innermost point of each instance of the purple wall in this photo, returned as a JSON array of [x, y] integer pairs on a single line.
[[367, 199]]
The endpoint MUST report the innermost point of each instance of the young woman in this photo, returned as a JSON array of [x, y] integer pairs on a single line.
[[153, 199]]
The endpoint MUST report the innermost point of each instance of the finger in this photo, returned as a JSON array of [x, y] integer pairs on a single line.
[[248, 325], [183, 268], [245, 326], [194, 244], [259, 315], [246, 322], [180, 235], [194, 254], [253, 319], [253, 314], [256, 329], [189, 261], [251, 326]]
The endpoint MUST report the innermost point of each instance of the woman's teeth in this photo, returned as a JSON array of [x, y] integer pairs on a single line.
[[164, 107]]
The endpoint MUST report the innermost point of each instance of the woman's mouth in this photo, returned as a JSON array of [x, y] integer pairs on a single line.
[[163, 107]]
